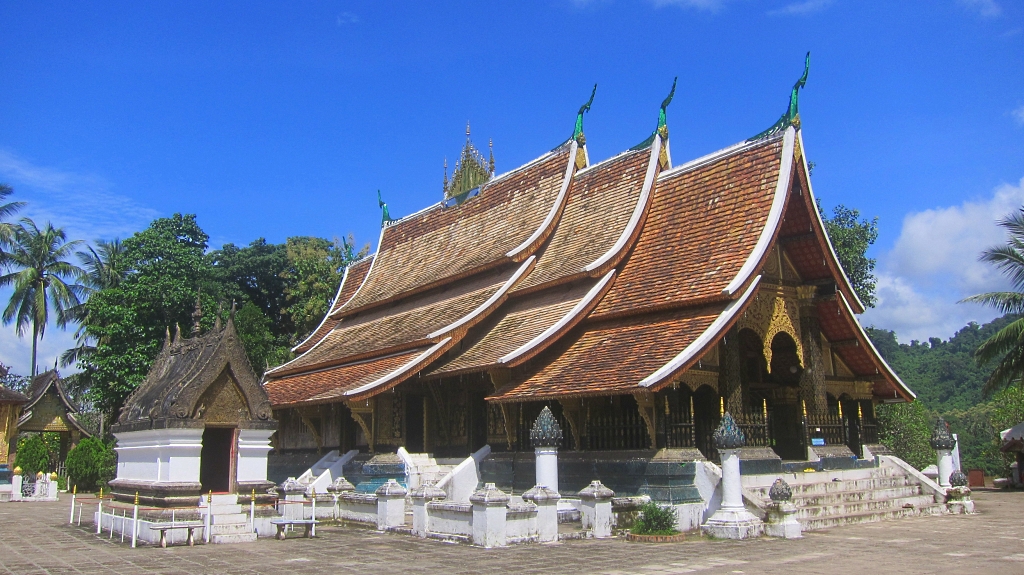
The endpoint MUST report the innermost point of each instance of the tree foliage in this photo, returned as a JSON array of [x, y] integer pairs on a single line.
[[904, 428], [655, 520], [33, 456], [91, 464], [851, 237], [315, 268]]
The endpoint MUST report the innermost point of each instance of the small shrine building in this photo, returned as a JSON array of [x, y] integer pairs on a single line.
[[637, 297], [50, 409], [200, 422]]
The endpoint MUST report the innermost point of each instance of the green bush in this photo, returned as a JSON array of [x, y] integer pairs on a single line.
[[91, 464], [655, 520], [33, 456]]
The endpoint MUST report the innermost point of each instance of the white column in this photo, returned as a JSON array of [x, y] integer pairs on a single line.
[[390, 505], [546, 459], [490, 506], [16, 483], [596, 509], [546, 500], [253, 446], [732, 487], [420, 497], [945, 465], [732, 520]]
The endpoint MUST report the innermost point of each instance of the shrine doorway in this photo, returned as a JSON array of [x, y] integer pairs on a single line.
[[217, 459], [414, 437]]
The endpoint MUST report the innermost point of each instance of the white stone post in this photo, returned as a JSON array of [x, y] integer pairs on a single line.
[[596, 509], [51, 488], [38, 489], [16, 484], [422, 495], [782, 513], [546, 500], [490, 506], [943, 443], [390, 505], [732, 520], [337, 487], [546, 436], [294, 498]]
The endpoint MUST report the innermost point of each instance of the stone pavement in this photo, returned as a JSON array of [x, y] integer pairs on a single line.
[[35, 538]]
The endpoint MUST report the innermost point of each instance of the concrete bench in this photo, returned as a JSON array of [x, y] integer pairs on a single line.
[[191, 526], [282, 523]]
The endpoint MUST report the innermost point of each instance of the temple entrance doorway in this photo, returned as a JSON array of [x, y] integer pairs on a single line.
[[217, 458], [414, 439]]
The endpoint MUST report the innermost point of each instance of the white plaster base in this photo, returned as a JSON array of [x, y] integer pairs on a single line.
[[733, 524], [782, 522]]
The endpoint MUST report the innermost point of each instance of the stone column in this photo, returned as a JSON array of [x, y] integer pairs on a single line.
[[390, 505], [732, 520], [294, 497], [420, 497], [51, 486], [730, 382], [490, 506], [596, 509], [942, 442], [336, 488], [546, 435], [546, 500], [782, 513]]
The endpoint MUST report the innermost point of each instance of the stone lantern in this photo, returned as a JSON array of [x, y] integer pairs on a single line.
[[943, 443], [782, 520], [732, 520], [546, 436]]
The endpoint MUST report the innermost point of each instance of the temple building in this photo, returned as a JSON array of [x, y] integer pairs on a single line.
[[50, 409], [638, 298]]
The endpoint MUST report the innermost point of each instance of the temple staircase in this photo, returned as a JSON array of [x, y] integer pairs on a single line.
[[827, 499], [325, 471], [423, 468], [228, 524]]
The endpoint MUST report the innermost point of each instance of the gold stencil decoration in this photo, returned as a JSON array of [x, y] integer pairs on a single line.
[[770, 314]]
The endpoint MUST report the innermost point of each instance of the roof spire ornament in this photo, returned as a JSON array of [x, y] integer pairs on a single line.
[[471, 172], [385, 215], [197, 314], [662, 129], [791, 117], [577, 132]]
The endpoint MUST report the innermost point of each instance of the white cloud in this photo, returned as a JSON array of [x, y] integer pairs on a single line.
[[16, 352], [709, 5], [347, 18], [1018, 115], [934, 264], [986, 8], [801, 8]]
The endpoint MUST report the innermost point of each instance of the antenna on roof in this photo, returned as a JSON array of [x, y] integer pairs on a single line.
[[791, 117]]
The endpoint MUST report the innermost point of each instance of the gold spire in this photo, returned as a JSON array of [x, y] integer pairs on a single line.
[[471, 171]]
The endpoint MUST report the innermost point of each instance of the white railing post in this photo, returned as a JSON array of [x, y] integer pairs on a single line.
[[74, 494], [209, 518], [135, 520], [252, 511]]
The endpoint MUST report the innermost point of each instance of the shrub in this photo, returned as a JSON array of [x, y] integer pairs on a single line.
[[91, 464], [655, 520], [33, 456]]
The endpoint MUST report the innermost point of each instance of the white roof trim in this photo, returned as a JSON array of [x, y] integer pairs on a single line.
[[853, 317], [330, 309], [369, 272], [400, 371], [566, 180], [821, 224], [490, 301], [774, 215], [562, 322], [702, 340], [712, 157], [638, 211]]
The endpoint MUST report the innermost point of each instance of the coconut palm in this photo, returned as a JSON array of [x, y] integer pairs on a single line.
[[1007, 345], [6, 210], [104, 267], [42, 278]]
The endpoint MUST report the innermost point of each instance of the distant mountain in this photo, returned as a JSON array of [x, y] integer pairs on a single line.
[[943, 374]]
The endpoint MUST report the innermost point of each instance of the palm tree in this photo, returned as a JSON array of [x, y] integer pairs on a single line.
[[6, 210], [104, 267], [40, 279], [1007, 345]]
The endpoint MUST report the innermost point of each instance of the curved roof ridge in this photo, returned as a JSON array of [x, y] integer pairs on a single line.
[[715, 156], [335, 305], [706, 338], [545, 229], [536, 160], [863, 336]]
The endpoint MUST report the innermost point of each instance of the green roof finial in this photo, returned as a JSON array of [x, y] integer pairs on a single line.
[[662, 128], [385, 216], [792, 115], [577, 133]]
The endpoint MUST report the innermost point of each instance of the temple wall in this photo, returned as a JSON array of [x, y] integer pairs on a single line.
[[253, 446], [162, 455]]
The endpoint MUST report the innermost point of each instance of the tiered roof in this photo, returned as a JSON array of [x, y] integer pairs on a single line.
[[581, 280]]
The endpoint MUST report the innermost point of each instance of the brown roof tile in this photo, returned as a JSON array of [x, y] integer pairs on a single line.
[[407, 323], [611, 356], [354, 276], [330, 384], [599, 206], [441, 244], [702, 225], [518, 322]]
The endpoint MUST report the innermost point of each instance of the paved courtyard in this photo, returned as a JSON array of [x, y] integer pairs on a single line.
[[35, 538]]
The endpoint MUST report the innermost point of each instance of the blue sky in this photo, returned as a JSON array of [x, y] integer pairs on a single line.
[[280, 119]]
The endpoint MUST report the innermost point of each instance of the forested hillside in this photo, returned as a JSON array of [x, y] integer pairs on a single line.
[[948, 382]]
